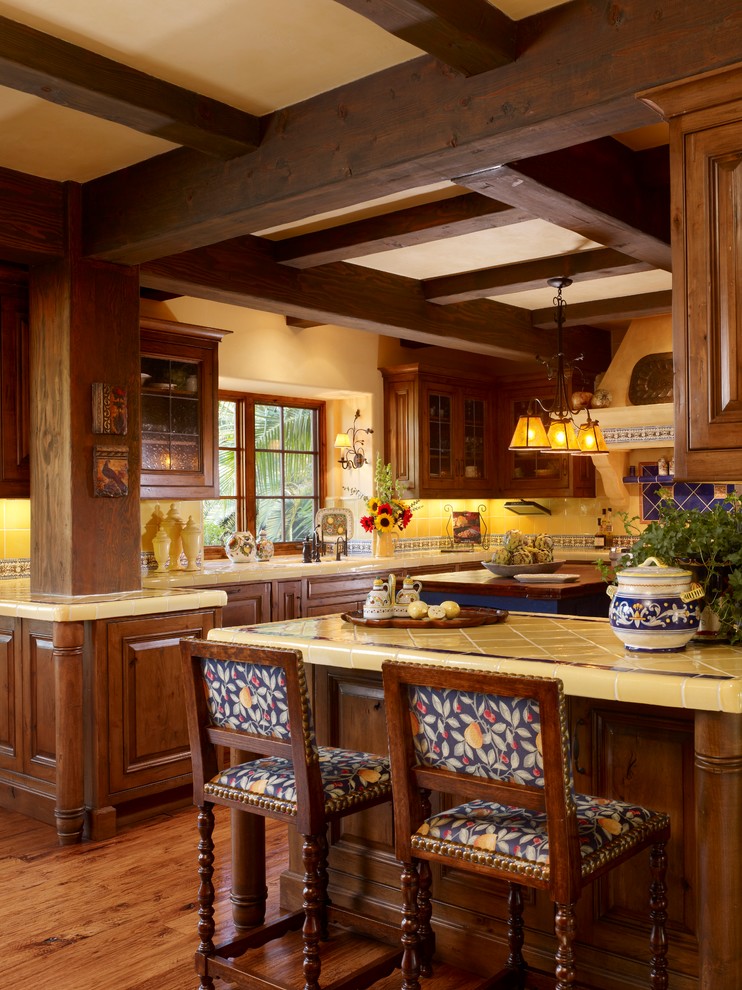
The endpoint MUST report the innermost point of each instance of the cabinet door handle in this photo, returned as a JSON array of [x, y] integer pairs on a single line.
[[576, 747]]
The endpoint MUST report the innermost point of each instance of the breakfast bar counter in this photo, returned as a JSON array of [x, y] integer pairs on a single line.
[[660, 729]]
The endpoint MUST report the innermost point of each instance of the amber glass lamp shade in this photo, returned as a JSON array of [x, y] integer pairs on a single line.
[[529, 434], [590, 438], [562, 436]]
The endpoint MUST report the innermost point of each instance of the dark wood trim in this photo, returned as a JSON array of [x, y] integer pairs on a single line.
[[594, 189], [31, 218], [462, 214], [599, 310], [70, 76], [337, 149], [470, 36], [243, 272], [583, 266]]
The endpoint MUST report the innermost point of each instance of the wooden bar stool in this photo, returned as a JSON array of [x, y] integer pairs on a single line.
[[255, 699], [499, 743]]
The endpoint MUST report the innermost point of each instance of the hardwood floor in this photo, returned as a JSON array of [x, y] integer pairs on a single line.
[[120, 914]]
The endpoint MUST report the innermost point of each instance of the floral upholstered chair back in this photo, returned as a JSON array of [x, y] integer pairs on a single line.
[[487, 735], [253, 698]]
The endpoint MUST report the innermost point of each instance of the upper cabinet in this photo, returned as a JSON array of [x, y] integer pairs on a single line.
[[14, 390], [179, 410], [705, 116], [439, 432], [533, 473]]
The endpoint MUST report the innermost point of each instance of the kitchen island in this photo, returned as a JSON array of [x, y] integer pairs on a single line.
[[664, 730], [583, 593]]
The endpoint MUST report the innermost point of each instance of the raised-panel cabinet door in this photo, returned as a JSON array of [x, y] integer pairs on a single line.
[[11, 753], [40, 720], [148, 747], [247, 604]]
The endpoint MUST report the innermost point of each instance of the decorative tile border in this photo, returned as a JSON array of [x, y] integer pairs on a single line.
[[15, 567], [655, 435]]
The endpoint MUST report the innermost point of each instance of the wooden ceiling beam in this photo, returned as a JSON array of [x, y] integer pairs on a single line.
[[522, 276], [592, 189], [470, 36], [62, 73], [294, 321], [31, 218], [242, 272], [400, 228], [602, 310], [416, 124]]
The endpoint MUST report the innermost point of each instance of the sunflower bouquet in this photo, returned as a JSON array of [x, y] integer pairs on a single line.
[[387, 510]]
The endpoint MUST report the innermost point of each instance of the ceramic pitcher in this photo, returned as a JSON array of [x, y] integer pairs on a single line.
[[378, 604], [409, 592]]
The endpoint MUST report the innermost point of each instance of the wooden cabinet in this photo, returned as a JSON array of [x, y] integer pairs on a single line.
[[28, 757], [439, 432], [14, 390], [179, 410], [288, 600], [534, 474], [247, 604], [706, 189]]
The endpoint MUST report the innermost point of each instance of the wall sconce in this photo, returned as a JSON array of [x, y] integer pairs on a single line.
[[565, 434], [354, 456]]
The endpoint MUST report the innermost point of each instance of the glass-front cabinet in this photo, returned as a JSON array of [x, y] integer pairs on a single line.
[[178, 408], [439, 431], [527, 473]]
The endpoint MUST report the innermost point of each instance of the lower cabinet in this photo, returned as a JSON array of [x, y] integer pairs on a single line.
[[247, 604], [27, 718], [140, 746], [637, 753]]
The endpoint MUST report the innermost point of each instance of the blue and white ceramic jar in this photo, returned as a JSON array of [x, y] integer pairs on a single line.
[[655, 608]]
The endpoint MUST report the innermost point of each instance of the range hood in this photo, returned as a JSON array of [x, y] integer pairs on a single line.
[[625, 425]]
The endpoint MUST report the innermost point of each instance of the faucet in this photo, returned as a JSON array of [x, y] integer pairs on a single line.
[[341, 547], [318, 547]]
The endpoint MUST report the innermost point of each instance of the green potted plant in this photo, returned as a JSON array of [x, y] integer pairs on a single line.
[[708, 543]]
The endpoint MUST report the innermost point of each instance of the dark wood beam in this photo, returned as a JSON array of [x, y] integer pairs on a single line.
[[592, 189], [470, 36], [31, 218], [401, 228], [602, 310], [580, 267], [294, 321], [415, 124], [62, 73], [242, 272]]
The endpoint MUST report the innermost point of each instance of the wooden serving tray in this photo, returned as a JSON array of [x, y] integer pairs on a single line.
[[466, 617]]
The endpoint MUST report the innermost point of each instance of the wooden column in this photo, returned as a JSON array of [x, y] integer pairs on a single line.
[[249, 891], [84, 322], [718, 745], [69, 809]]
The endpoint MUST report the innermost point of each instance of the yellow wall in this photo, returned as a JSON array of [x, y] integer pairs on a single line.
[[15, 527]]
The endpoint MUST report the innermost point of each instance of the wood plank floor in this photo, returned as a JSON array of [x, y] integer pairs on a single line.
[[120, 914]]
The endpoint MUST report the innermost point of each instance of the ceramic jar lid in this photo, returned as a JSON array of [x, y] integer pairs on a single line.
[[651, 572]]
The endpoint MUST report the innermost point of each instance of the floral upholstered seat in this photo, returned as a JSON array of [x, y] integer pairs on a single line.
[[501, 741]]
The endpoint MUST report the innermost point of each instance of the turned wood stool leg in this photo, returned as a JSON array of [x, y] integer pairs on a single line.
[[313, 909], [205, 894], [410, 965], [324, 880], [565, 927], [658, 916], [425, 933], [515, 928]]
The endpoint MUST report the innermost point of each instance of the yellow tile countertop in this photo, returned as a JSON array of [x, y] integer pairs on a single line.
[[216, 572], [16, 600], [584, 653]]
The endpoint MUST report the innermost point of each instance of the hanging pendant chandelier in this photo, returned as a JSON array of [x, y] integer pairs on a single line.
[[562, 434]]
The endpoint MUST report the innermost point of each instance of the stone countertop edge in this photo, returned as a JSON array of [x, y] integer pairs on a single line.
[[218, 572], [699, 678], [17, 601]]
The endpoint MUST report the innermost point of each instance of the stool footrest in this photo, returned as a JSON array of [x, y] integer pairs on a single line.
[[261, 935]]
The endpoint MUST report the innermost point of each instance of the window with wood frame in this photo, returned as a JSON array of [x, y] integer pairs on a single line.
[[270, 468]]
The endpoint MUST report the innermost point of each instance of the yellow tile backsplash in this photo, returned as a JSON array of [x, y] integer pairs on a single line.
[[15, 527]]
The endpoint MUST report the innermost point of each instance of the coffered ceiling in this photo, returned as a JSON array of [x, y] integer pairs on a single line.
[[412, 167]]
